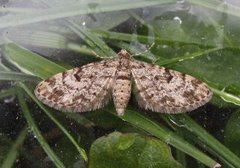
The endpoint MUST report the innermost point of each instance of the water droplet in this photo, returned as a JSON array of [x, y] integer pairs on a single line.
[[208, 58], [9, 99], [180, 1], [177, 19], [164, 46]]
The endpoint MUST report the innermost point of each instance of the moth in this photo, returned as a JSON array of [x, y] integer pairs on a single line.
[[92, 86]]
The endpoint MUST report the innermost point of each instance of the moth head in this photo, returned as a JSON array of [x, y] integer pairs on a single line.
[[123, 54]]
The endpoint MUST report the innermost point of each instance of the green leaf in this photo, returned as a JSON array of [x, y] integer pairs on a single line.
[[130, 150], [232, 133]]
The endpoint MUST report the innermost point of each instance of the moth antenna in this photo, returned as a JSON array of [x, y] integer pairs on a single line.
[[145, 51], [94, 53]]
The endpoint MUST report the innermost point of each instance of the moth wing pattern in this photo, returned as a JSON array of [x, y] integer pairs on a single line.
[[167, 91], [79, 89]]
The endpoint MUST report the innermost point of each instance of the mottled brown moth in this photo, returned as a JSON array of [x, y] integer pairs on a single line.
[[91, 87]]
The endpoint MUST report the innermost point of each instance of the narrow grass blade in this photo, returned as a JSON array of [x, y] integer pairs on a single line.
[[30, 62], [16, 76], [223, 152], [76, 9], [81, 49], [37, 132], [227, 96], [142, 21], [8, 92], [48, 113], [224, 7], [80, 119], [94, 39], [89, 42], [3, 67], [127, 37], [186, 57], [41, 38], [142, 38], [13, 153]]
